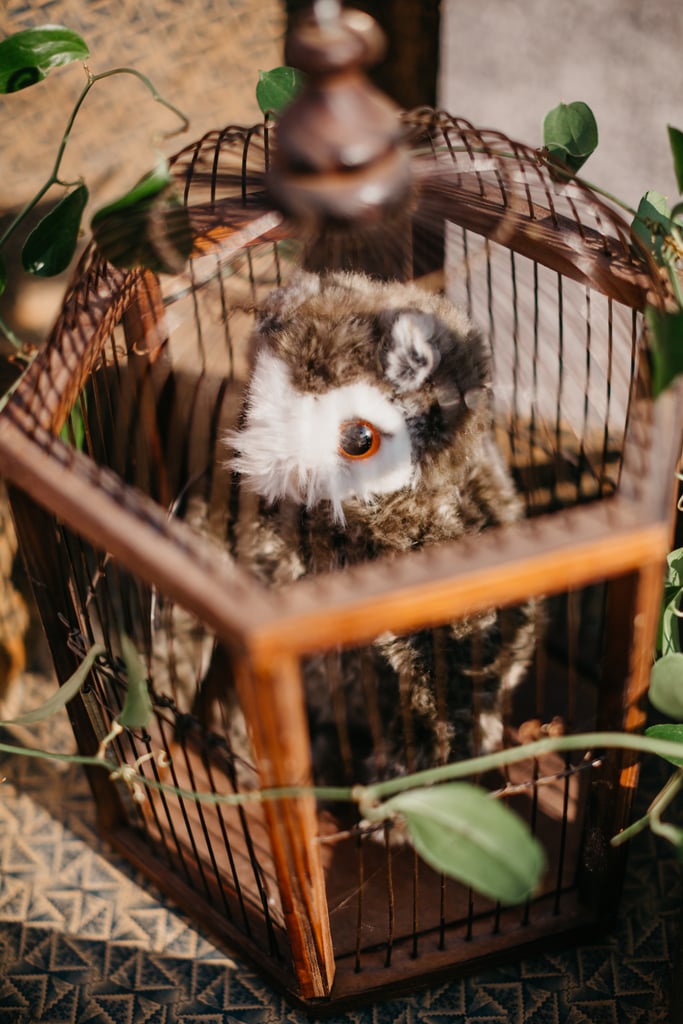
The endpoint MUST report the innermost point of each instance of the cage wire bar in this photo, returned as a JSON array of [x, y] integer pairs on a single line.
[[134, 534]]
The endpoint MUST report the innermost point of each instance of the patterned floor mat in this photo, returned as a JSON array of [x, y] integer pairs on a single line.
[[84, 940]]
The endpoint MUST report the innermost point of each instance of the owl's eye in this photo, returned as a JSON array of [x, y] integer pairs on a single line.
[[358, 439]]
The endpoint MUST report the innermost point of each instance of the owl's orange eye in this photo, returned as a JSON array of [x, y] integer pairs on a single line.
[[358, 439]]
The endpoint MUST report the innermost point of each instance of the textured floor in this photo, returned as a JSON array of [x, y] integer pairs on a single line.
[[83, 940]]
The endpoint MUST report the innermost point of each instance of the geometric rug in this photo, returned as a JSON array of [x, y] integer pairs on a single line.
[[85, 940]]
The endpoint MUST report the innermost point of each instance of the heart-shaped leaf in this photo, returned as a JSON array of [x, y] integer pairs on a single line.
[[458, 829], [50, 247], [666, 686], [570, 134], [137, 708], [652, 223], [673, 732], [676, 143], [64, 694], [73, 431], [147, 227], [28, 57], [276, 89], [674, 568], [669, 628], [668, 636], [151, 185]]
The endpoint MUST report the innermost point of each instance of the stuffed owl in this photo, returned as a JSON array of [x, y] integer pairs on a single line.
[[367, 431]]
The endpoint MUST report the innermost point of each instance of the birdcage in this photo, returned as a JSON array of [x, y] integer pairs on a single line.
[[128, 528]]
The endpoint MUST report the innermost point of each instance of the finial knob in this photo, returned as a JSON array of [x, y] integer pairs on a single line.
[[338, 155]]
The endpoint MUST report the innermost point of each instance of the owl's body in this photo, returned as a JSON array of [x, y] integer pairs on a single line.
[[366, 432]]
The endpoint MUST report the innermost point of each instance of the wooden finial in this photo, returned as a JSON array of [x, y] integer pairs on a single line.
[[338, 155]]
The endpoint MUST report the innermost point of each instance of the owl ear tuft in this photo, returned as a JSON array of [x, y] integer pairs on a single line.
[[410, 352]]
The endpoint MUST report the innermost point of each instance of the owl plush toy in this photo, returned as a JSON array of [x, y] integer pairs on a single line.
[[366, 431]]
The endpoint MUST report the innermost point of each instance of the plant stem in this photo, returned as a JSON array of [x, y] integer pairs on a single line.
[[53, 179], [368, 797], [6, 395], [626, 207], [156, 95], [659, 805], [331, 793], [54, 175], [652, 818], [501, 758], [11, 336]]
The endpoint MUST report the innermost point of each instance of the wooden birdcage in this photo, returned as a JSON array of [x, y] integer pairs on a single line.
[[130, 531]]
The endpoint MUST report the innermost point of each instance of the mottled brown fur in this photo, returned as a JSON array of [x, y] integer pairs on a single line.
[[407, 702]]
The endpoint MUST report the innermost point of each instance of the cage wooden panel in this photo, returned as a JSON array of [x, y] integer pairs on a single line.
[[133, 531]]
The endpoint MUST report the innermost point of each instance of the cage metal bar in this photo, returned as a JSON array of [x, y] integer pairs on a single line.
[[621, 538], [391, 900], [515, 354], [359, 905], [451, 608], [608, 396], [228, 849], [561, 370], [532, 236]]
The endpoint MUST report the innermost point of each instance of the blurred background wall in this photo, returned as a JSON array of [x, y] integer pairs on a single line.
[[505, 65], [202, 55], [500, 64]]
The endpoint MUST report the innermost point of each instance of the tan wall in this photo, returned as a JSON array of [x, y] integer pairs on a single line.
[[203, 55], [505, 65]]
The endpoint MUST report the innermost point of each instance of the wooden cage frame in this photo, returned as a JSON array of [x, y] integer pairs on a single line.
[[622, 539]]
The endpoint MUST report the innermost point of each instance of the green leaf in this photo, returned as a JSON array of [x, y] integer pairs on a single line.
[[461, 831], [666, 346], [73, 431], [276, 89], [673, 732], [50, 247], [28, 57], [3, 274], [666, 686], [150, 186], [676, 143], [669, 639], [677, 216], [668, 633], [63, 695], [678, 848], [137, 708], [652, 223], [147, 227], [674, 568], [570, 134]]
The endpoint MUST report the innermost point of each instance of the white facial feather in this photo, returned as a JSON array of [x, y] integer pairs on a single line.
[[288, 447]]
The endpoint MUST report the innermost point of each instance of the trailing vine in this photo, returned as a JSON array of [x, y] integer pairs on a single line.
[[26, 58], [459, 828]]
